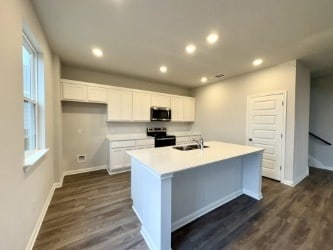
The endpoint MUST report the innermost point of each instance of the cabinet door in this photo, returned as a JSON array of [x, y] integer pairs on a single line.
[[160, 100], [126, 105], [116, 158], [114, 103], [74, 92], [189, 109], [177, 108], [141, 106], [119, 158], [119, 105], [97, 94]]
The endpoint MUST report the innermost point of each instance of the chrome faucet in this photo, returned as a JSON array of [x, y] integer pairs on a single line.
[[200, 142]]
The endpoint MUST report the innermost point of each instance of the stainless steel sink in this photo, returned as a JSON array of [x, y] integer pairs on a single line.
[[189, 147]]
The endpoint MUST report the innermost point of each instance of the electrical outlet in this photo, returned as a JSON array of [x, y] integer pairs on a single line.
[[81, 158]]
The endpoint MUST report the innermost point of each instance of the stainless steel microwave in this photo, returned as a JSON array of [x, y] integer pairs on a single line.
[[160, 114]]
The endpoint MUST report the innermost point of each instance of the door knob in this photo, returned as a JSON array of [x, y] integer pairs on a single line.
[[250, 139]]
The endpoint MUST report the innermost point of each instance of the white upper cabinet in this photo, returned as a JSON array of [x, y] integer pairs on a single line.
[[141, 106], [74, 92], [119, 105], [128, 104], [189, 109], [97, 94], [160, 100], [126, 111], [177, 108]]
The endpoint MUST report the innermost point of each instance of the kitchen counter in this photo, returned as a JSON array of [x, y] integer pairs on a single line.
[[167, 160], [124, 137], [185, 133], [171, 188]]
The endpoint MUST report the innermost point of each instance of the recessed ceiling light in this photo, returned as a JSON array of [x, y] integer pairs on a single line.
[[204, 79], [212, 38], [163, 69], [97, 52], [257, 62], [190, 49]]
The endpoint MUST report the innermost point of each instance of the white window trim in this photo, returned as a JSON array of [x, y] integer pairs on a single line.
[[32, 157]]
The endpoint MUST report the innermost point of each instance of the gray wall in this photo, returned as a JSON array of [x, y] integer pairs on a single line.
[[302, 116], [321, 120], [84, 125], [79, 74], [221, 107], [22, 194]]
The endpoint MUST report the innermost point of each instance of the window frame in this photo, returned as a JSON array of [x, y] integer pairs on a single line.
[[34, 99]]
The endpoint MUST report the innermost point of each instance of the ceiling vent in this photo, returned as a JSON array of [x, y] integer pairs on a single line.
[[219, 76]]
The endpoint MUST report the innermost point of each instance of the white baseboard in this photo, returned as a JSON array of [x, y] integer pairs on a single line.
[[287, 182], [137, 215], [40, 219], [118, 171], [313, 162], [39, 222], [252, 194], [191, 217], [297, 180], [147, 238], [84, 170]]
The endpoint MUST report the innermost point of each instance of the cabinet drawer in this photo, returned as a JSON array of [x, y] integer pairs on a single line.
[[122, 144], [145, 142]]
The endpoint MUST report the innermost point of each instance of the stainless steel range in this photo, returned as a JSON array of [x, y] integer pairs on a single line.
[[162, 139]]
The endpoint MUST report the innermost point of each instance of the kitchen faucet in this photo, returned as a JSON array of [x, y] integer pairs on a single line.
[[200, 142]]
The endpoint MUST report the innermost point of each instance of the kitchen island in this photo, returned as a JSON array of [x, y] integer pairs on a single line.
[[171, 188]]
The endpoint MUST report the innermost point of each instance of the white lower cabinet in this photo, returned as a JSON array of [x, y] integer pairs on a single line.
[[119, 159]]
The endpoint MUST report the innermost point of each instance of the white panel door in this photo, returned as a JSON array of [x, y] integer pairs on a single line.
[[266, 129]]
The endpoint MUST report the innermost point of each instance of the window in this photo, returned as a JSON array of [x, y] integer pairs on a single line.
[[30, 94], [32, 103]]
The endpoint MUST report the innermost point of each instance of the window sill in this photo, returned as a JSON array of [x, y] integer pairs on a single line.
[[32, 159]]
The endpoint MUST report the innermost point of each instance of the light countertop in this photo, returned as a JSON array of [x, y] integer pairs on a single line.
[[167, 160], [124, 137], [184, 133]]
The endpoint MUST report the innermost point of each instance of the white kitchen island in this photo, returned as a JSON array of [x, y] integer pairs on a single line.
[[171, 188]]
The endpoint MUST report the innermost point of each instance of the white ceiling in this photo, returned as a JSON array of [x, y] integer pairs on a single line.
[[137, 36]]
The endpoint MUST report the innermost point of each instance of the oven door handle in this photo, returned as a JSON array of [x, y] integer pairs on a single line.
[[164, 139]]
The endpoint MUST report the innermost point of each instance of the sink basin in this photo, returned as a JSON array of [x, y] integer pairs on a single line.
[[189, 147]]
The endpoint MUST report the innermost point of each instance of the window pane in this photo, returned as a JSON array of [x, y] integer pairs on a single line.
[[29, 126], [27, 76]]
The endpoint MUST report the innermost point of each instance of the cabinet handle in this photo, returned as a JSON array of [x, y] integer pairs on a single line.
[[250, 139]]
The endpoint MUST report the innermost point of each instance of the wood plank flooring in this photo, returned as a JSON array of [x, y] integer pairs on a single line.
[[93, 211]]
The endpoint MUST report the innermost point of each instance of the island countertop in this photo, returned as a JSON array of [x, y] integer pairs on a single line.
[[167, 160]]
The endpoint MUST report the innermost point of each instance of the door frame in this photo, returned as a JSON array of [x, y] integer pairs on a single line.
[[284, 123]]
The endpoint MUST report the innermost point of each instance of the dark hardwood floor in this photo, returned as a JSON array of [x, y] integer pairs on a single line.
[[93, 211]]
